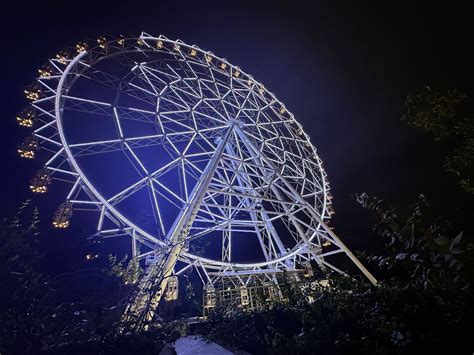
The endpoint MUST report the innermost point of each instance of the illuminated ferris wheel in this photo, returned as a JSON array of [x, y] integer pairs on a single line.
[[185, 154]]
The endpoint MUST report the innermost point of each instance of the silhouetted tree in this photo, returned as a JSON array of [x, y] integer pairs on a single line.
[[442, 114]]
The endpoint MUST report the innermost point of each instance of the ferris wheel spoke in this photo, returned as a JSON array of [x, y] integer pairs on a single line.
[[156, 207], [140, 94], [172, 119], [152, 86], [213, 204], [105, 146], [244, 102], [44, 83], [47, 139], [168, 190], [94, 103], [164, 196], [206, 102], [172, 102], [201, 114], [142, 171], [295, 220], [99, 76], [109, 80], [215, 83], [102, 108], [203, 231], [128, 191], [137, 114], [272, 235], [161, 72], [182, 103], [97, 147], [156, 76], [270, 227], [44, 112], [189, 90]]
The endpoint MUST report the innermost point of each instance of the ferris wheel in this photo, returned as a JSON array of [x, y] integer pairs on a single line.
[[185, 154]]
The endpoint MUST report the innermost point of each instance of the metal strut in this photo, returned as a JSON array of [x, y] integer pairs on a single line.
[[140, 311], [253, 215], [250, 145]]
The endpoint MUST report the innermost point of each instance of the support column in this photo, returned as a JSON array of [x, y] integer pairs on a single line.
[[141, 310], [270, 228], [249, 144]]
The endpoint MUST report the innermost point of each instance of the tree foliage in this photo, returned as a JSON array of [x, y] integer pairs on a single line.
[[441, 114], [25, 287], [423, 303], [128, 270], [418, 251], [76, 312]]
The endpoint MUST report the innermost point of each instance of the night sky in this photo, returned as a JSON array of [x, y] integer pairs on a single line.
[[343, 71]]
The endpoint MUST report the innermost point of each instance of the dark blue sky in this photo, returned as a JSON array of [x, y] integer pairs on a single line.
[[343, 70]]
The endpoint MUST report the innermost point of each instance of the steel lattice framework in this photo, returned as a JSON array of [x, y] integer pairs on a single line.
[[242, 166]]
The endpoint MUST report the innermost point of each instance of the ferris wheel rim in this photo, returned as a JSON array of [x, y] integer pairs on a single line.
[[186, 257]]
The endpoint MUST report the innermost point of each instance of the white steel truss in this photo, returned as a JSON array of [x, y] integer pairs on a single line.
[[191, 108]]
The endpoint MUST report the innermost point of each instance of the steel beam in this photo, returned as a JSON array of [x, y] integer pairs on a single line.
[[141, 310], [250, 145]]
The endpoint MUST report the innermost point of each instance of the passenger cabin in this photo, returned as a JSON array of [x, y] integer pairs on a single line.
[[151, 259], [210, 299], [40, 181], [33, 92], [308, 269], [102, 42], [172, 288], [81, 47], [26, 118], [61, 218], [45, 71], [121, 41], [28, 147], [62, 57], [244, 296]]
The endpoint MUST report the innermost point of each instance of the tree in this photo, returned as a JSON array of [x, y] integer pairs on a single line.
[[77, 312], [442, 115], [22, 312]]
